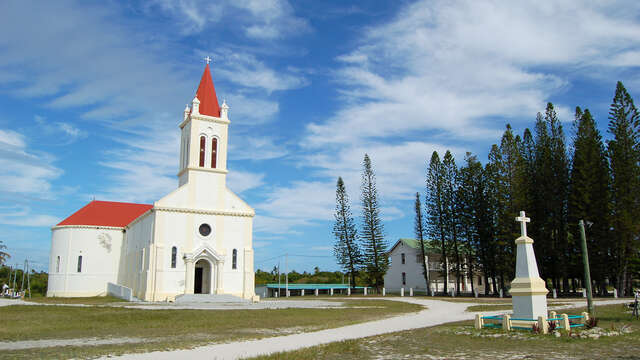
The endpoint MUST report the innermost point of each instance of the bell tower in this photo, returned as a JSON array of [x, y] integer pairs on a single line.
[[203, 145]]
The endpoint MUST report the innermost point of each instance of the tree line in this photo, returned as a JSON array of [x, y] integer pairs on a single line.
[[470, 210]]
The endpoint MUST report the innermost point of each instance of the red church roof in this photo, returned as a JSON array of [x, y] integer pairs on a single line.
[[207, 95], [106, 213]]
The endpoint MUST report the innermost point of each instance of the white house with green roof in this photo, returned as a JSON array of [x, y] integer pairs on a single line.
[[405, 270]]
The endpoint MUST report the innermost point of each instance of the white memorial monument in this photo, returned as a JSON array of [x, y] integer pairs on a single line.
[[528, 291]]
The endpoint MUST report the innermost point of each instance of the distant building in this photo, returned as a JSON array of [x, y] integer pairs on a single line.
[[405, 270]]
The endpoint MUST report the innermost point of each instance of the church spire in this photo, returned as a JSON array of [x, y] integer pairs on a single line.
[[206, 93]]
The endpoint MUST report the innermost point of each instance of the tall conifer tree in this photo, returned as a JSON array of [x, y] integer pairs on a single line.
[[624, 124], [419, 230], [451, 208], [372, 234], [346, 248], [589, 195], [436, 215]]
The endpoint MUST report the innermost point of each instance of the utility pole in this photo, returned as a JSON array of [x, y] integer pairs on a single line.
[[286, 275], [587, 273], [279, 290]]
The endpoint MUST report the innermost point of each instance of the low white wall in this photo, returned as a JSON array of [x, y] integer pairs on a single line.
[[119, 291]]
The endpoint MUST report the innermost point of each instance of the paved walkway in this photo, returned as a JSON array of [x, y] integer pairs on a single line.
[[438, 312]]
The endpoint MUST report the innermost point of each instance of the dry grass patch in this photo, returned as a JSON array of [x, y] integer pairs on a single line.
[[172, 329], [461, 341]]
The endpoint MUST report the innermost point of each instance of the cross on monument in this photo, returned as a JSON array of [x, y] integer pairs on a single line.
[[207, 59], [523, 223]]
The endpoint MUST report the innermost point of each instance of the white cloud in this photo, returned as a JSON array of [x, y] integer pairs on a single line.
[[22, 216], [240, 181], [447, 67], [260, 19], [251, 110], [246, 70], [252, 147], [25, 172]]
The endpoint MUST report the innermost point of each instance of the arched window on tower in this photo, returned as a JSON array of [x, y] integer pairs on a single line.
[[234, 259], [214, 152], [202, 153], [80, 263], [58, 264], [174, 255]]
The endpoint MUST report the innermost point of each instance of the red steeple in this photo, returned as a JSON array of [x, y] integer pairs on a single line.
[[207, 95]]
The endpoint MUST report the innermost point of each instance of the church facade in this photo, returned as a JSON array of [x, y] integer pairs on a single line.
[[196, 239]]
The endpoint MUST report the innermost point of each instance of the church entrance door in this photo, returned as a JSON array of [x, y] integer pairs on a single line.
[[202, 277], [197, 284]]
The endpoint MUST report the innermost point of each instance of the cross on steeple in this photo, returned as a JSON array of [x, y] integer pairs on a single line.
[[207, 59], [523, 223]]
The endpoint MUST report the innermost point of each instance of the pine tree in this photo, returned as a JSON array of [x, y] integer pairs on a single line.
[[589, 195], [419, 230], [436, 215], [623, 151], [470, 196], [346, 248], [558, 198], [450, 206], [372, 234]]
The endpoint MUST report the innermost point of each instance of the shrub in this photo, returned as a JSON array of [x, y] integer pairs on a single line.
[[591, 323], [552, 325], [536, 329]]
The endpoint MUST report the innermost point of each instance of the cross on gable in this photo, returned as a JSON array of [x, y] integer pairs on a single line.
[[523, 223], [207, 59]]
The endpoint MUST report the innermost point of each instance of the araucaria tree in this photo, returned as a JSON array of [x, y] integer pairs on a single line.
[[419, 229], [374, 245], [346, 248], [623, 149], [436, 215], [589, 196]]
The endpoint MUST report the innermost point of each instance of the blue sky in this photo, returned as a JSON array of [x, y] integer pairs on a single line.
[[91, 95]]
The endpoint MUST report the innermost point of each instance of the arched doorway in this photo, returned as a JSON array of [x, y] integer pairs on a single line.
[[202, 283]]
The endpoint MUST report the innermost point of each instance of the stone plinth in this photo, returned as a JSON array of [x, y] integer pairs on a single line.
[[528, 290]]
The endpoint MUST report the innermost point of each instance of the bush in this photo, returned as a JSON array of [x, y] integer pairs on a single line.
[[591, 323]]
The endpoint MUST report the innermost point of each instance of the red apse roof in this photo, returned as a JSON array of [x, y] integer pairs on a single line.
[[207, 95], [106, 213]]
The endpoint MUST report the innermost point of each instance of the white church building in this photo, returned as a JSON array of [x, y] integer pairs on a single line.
[[197, 239]]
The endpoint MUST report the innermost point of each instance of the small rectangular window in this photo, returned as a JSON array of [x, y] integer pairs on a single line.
[[80, 263], [479, 280], [404, 278], [403, 258], [58, 265], [234, 259]]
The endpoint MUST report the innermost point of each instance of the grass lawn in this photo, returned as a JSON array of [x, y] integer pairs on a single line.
[[96, 300], [461, 341], [171, 329]]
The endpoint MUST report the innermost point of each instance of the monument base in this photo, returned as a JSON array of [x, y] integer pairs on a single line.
[[529, 306]]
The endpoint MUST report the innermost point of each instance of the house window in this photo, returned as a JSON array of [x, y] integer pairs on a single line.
[[58, 264], [214, 151], [202, 153], [479, 280], [80, 263], [174, 254], [234, 259], [404, 278], [403, 258]]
